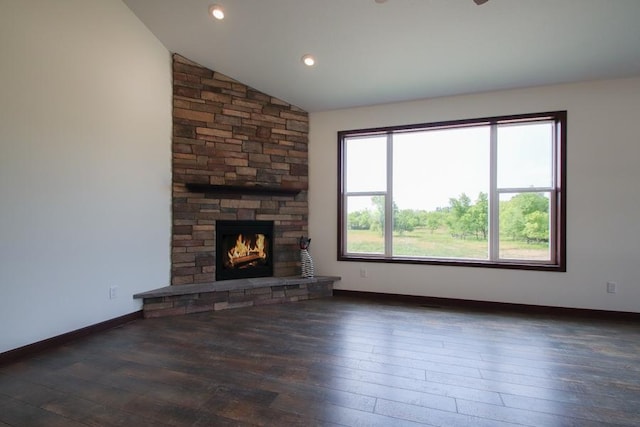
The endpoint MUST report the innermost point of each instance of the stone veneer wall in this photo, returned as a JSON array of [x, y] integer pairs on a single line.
[[226, 133]]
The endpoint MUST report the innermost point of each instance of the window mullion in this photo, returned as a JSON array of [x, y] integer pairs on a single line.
[[388, 207], [494, 197], [344, 201], [525, 190], [365, 193], [553, 197], [553, 226]]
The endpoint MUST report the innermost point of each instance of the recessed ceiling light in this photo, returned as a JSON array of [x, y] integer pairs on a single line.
[[381, 1], [308, 60], [216, 11]]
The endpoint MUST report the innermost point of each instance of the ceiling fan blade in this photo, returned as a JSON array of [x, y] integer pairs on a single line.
[[480, 2]]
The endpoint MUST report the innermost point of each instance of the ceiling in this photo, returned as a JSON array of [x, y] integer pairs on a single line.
[[371, 52]]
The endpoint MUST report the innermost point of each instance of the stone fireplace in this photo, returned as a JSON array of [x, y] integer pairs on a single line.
[[237, 154]]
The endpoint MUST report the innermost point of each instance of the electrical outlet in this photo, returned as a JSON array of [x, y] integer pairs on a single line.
[[611, 287], [364, 273], [113, 292]]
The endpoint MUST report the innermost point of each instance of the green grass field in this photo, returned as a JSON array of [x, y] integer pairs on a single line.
[[439, 243]]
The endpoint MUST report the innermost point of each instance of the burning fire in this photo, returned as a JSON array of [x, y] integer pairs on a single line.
[[243, 252]]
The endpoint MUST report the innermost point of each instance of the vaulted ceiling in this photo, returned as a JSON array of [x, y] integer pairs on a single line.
[[370, 52]]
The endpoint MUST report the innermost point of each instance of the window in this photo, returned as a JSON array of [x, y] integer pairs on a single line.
[[482, 192]]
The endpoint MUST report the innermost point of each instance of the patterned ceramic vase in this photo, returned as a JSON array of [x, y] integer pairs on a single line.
[[307, 263]]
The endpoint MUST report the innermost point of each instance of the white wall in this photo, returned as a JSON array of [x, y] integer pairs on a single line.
[[603, 197], [85, 179]]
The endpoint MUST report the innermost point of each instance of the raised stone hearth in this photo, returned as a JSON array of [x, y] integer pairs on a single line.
[[226, 294]]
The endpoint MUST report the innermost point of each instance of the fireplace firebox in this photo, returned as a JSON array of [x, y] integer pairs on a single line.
[[244, 249]]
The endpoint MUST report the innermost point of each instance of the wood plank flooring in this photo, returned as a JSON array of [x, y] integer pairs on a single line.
[[335, 362]]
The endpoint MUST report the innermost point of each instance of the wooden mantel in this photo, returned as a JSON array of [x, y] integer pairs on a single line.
[[241, 189]]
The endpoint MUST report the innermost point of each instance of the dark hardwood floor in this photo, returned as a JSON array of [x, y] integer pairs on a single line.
[[335, 362]]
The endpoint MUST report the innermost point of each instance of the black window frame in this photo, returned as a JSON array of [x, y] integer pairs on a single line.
[[559, 216]]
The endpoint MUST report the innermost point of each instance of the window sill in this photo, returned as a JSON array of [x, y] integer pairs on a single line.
[[510, 265]]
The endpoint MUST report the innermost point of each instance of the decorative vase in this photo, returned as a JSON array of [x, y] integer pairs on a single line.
[[307, 263]]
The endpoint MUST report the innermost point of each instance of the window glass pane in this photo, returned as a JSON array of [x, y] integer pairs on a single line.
[[366, 162], [440, 190], [365, 224], [524, 226], [525, 155]]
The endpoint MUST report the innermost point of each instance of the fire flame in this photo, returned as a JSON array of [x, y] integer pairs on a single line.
[[243, 251]]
